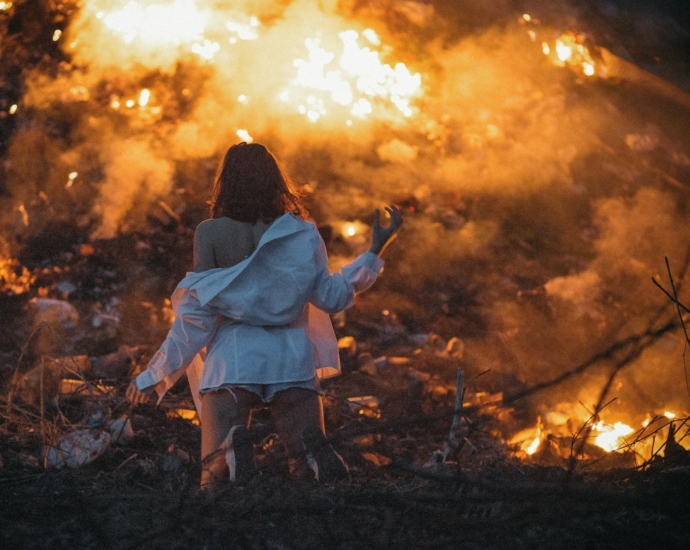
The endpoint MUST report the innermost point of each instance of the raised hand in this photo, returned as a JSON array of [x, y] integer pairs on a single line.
[[383, 236]]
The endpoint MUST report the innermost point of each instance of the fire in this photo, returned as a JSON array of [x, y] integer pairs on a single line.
[[14, 279], [156, 24], [342, 71], [611, 437], [144, 97], [570, 50], [244, 135], [354, 79], [530, 439]]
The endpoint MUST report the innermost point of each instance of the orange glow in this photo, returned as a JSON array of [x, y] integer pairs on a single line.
[[569, 50], [354, 79], [144, 97], [244, 135], [611, 437]]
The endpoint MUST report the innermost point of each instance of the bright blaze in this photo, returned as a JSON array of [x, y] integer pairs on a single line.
[[129, 103], [5, 6], [349, 230], [56, 35], [244, 135], [569, 50], [144, 97], [527, 17], [353, 79], [669, 415], [244, 31], [611, 437], [170, 23], [206, 49], [13, 109], [563, 51], [533, 446]]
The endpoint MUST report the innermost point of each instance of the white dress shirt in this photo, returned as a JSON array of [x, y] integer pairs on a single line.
[[264, 320]]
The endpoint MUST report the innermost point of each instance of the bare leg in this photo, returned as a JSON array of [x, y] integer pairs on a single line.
[[293, 410], [221, 410]]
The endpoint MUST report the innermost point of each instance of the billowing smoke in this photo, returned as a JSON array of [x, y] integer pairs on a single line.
[[540, 197]]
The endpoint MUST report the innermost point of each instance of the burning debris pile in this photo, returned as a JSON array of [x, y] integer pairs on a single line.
[[544, 174]]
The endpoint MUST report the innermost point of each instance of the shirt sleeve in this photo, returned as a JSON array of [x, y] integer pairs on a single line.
[[333, 292], [192, 331]]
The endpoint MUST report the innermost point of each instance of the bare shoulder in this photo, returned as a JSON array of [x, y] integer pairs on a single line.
[[210, 227]]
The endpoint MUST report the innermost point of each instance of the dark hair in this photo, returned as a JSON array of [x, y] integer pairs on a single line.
[[250, 185]]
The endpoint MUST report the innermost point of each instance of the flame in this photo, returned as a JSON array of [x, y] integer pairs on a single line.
[[144, 97], [5, 6], [530, 439], [244, 135], [611, 437], [570, 50], [354, 80], [14, 279], [156, 24]]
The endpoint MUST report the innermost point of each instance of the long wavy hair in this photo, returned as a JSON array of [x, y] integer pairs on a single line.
[[250, 185]]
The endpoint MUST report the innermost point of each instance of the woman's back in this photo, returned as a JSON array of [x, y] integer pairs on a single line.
[[224, 242]]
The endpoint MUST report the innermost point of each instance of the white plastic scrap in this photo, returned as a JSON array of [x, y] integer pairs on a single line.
[[78, 448]]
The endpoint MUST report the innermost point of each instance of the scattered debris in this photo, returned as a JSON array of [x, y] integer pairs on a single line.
[[77, 448]]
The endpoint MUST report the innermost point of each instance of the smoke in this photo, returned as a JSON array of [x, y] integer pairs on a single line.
[[539, 204]]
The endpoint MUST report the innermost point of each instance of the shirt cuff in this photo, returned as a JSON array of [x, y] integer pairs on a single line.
[[145, 380], [370, 260]]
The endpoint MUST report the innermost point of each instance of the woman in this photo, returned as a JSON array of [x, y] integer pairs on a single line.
[[258, 301]]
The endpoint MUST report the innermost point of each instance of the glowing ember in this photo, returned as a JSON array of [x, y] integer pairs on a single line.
[[569, 50], [144, 97], [358, 71], [244, 135], [56, 35], [530, 439], [611, 437], [70, 181], [669, 414], [13, 109], [14, 279]]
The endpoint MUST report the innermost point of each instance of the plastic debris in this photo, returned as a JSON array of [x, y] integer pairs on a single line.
[[55, 312], [77, 449], [65, 288], [120, 430]]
